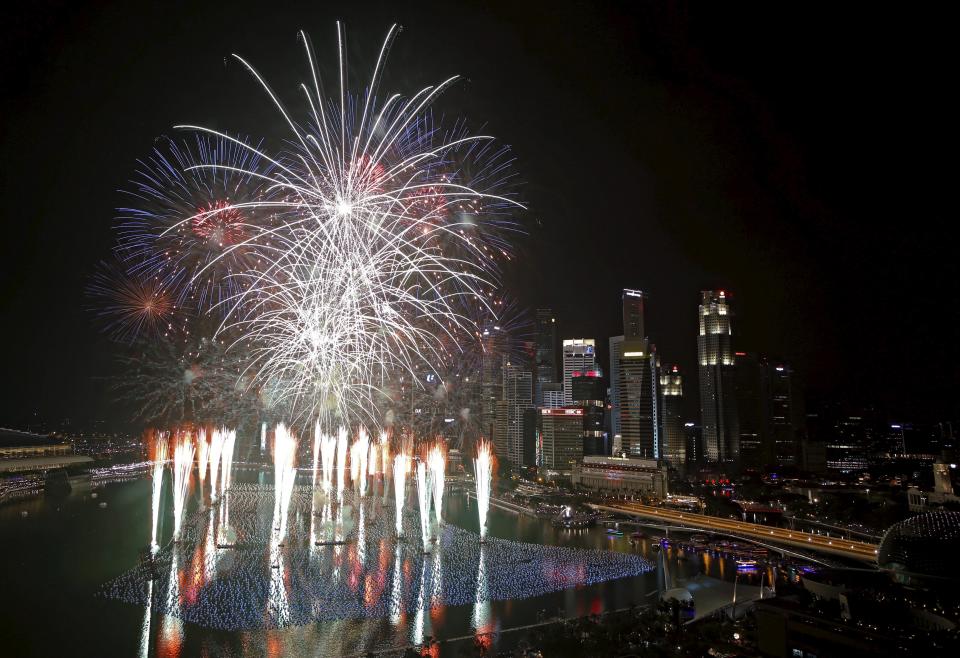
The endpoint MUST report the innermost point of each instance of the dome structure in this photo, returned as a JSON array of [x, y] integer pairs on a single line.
[[923, 545]]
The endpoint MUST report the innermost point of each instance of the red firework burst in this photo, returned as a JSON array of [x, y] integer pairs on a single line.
[[220, 224]]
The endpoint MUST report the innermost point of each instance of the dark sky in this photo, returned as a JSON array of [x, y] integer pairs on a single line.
[[797, 155]]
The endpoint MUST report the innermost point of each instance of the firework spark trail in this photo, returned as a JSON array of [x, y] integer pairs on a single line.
[[226, 456], [367, 275], [216, 449], [355, 464], [437, 461], [423, 500], [317, 443], [182, 468], [159, 462], [362, 449], [372, 459], [285, 475], [191, 218], [342, 440], [401, 464], [483, 473], [203, 457]]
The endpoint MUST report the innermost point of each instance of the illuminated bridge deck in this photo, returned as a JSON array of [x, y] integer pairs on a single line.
[[837, 546]]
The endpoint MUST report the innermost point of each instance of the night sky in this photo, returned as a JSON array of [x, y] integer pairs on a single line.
[[797, 157]]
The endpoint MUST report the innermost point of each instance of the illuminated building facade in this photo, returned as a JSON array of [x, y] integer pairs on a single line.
[[561, 436], [579, 355], [589, 393], [637, 407], [672, 440], [516, 398], [718, 410], [621, 475]]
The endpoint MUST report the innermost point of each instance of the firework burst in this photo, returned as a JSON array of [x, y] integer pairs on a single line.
[[378, 245]]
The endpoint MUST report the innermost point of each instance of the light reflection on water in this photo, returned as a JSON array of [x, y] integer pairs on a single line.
[[106, 541]]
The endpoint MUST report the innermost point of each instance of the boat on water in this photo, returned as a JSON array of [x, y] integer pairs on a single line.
[[613, 532], [746, 565]]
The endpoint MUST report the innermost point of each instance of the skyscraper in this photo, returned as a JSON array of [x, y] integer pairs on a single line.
[[672, 440], [633, 302], [578, 356], [755, 448], [589, 393], [545, 356], [561, 435], [718, 410], [633, 320], [517, 398], [784, 412], [637, 408], [616, 352]]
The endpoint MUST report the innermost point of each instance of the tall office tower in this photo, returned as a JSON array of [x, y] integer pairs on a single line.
[[633, 301], [718, 409], [578, 356], [616, 352], [545, 355], [517, 398], [561, 437], [756, 450], [638, 381], [784, 413], [494, 356], [673, 443], [634, 329], [589, 393]]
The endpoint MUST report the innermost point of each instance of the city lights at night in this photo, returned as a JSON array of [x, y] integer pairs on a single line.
[[519, 330]]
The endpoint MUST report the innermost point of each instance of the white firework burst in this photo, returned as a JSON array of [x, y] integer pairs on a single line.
[[369, 275]]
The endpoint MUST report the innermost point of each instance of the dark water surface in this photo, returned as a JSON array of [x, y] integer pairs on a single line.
[[56, 559]]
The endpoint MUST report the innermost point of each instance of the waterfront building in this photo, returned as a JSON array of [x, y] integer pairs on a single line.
[[942, 494], [21, 452], [579, 355], [672, 440], [718, 410], [625, 475]]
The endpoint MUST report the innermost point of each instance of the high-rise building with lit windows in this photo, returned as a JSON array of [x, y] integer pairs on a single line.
[[634, 329], [637, 400], [579, 355], [718, 408], [672, 440], [516, 398]]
